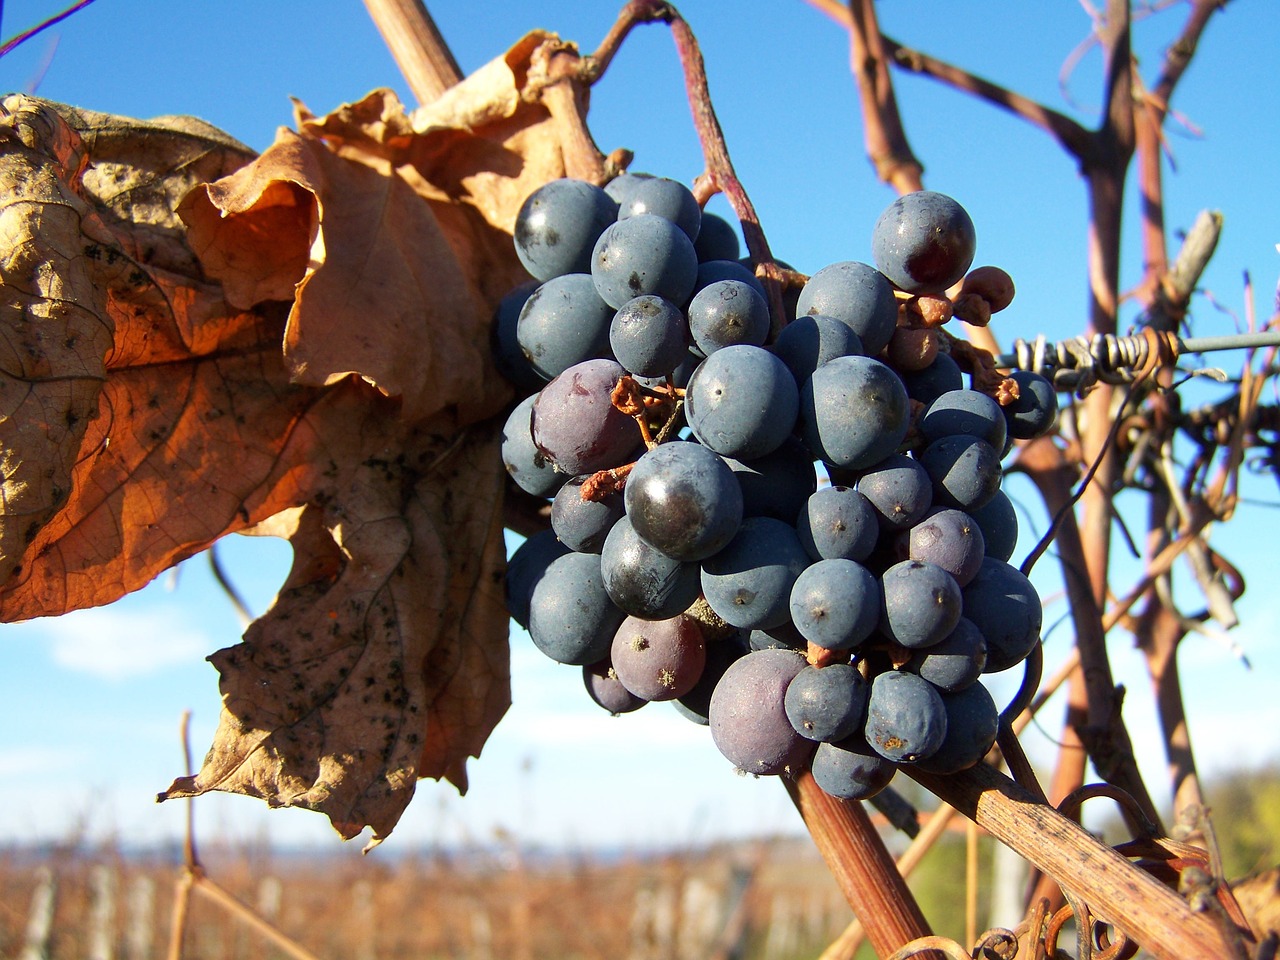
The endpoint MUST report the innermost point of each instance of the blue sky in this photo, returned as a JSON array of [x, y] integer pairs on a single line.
[[89, 704]]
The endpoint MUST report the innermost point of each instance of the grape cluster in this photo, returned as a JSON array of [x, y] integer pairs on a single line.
[[799, 539]]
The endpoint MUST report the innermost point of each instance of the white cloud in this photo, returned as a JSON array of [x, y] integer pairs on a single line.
[[113, 643]]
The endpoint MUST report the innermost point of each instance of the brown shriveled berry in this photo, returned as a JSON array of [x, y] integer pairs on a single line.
[[990, 283], [972, 309], [912, 348]]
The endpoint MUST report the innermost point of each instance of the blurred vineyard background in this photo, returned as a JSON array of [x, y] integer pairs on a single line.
[[769, 899]]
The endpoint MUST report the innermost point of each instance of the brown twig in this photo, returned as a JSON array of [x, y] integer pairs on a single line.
[[861, 865], [416, 45]]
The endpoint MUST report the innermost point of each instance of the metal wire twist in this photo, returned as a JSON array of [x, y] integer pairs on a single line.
[[1078, 363]]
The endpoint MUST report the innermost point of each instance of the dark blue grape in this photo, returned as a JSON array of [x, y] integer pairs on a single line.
[[621, 187], [712, 271], [642, 580], [1034, 412], [923, 242], [562, 323], [1005, 607], [838, 522], [783, 637], [571, 618], [906, 718], [808, 342], [748, 718], [850, 769], [998, 521], [727, 312], [827, 703], [717, 240], [922, 603], [679, 376], [528, 564], [951, 539], [973, 722], [696, 703], [899, 490], [954, 662], [649, 336], [934, 380], [507, 355], [575, 424], [658, 659], [777, 484], [857, 294], [666, 198], [964, 412], [581, 524], [854, 412], [835, 604], [965, 471], [642, 255], [684, 500], [558, 225], [606, 690], [527, 465], [742, 402], [748, 583]]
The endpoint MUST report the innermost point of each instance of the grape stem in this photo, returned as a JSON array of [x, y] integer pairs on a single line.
[[719, 175]]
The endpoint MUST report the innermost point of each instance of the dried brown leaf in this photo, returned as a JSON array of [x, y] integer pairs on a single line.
[[303, 351]]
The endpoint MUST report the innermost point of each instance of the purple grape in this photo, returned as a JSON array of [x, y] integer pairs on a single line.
[[696, 703], [951, 539], [606, 690], [742, 402], [838, 523], [748, 583], [575, 424], [827, 703], [658, 659], [906, 718], [923, 242], [835, 604], [748, 718], [558, 225], [859, 295], [684, 500], [850, 769], [854, 412], [922, 603]]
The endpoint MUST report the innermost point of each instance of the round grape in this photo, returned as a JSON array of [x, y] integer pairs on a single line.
[[859, 295], [642, 255], [558, 225], [748, 718], [684, 500], [923, 242]]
